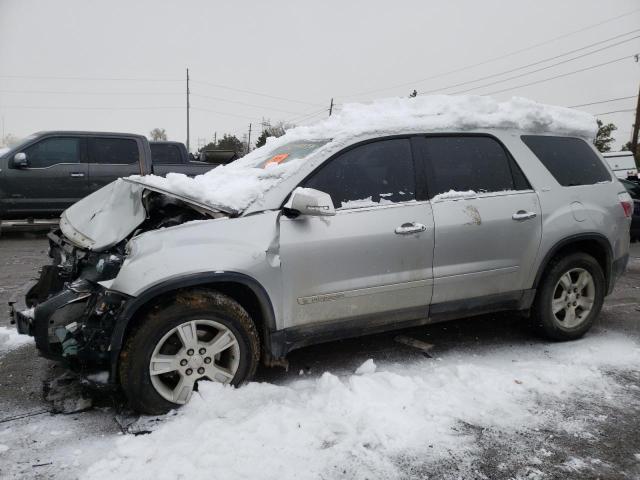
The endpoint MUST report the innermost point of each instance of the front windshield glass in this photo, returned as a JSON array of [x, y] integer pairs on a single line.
[[17, 147], [288, 152]]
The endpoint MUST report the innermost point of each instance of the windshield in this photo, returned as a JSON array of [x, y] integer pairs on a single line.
[[17, 147], [287, 153]]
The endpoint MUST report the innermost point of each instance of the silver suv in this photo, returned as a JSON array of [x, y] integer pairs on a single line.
[[161, 284]]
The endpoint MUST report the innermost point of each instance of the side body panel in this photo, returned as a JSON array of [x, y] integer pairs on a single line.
[[480, 249], [571, 212], [354, 264]]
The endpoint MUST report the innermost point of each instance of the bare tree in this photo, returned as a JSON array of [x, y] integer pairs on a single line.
[[158, 134]]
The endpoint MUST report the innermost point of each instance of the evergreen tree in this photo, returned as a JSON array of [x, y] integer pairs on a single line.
[[603, 137]]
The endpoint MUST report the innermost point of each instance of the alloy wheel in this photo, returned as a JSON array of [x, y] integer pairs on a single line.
[[193, 351], [573, 297]]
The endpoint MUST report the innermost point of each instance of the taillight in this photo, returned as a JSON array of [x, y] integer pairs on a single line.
[[627, 204]]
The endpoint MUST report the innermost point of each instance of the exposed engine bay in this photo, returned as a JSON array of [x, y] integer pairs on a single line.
[[70, 311]]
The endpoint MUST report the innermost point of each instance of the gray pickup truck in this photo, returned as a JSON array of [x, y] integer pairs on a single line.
[[49, 171]]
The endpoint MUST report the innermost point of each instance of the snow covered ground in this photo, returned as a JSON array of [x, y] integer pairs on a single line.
[[10, 338], [375, 423]]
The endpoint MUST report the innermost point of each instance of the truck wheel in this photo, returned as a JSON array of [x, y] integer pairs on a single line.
[[202, 335], [570, 297]]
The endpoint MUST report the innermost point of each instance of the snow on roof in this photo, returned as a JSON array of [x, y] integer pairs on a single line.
[[244, 181]]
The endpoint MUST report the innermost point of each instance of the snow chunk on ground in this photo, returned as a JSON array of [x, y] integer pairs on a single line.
[[367, 367], [246, 180], [10, 339], [367, 426]]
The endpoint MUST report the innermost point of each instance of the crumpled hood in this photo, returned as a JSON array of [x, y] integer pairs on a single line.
[[105, 217], [109, 215]]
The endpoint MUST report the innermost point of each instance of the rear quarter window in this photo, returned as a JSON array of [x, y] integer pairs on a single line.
[[571, 161]]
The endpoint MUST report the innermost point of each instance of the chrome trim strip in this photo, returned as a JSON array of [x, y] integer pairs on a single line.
[[327, 297]]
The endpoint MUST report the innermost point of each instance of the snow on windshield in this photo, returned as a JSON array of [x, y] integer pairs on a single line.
[[242, 182]]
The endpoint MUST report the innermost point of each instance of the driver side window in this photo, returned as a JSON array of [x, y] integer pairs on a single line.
[[373, 174], [52, 151]]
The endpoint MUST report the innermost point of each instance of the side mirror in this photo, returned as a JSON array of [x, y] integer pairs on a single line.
[[20, 160], [308, 201]]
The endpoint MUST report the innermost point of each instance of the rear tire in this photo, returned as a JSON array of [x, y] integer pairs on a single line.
[[569, 298], [201, 335]]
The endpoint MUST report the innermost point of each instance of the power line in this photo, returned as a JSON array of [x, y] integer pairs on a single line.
[[561, 75], [118, 79], [305, 116], [602, 101], [243, 103], [615, 111], [43, 107], [255, 93], [500, 57], [60, 92], [222, 113], [537, 63]]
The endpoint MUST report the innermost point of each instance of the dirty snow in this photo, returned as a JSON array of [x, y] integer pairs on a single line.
[[241, 183], [371, 424], [10, 339]]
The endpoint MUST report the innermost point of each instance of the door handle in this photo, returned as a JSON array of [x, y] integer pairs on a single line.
[[411, 227], [76, 174], [521, 215]]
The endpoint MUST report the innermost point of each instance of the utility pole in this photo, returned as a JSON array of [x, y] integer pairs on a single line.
[[636, 126], [188, 110], [249, 140], [215, 139], [331, 107]]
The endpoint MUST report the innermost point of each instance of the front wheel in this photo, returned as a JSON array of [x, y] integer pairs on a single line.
[[201, 336], [570, 297]]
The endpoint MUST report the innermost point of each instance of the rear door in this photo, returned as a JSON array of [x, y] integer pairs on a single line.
[[487, 218], [112, 158], [372, 260], [55, 178]]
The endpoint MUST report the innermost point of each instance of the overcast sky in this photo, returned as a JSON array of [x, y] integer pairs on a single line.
[[59, 59]]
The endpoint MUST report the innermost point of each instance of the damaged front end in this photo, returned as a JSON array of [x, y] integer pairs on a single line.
[[70, 311]]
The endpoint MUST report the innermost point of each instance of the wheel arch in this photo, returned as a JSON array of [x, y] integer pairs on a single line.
[[244, 289], [595, 244]]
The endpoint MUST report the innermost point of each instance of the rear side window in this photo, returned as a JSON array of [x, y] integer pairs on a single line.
[[571, 161], [474, 163], [165, 154], [52, 151], [115, 151], [375, 173]]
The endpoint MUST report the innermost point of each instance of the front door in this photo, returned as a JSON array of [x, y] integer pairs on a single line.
[[55, 178], [372, 261], [487, 217]]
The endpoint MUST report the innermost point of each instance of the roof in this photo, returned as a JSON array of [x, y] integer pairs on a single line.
[[85, 133]]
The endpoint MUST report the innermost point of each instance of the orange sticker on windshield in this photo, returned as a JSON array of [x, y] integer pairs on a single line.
[[276, 159]]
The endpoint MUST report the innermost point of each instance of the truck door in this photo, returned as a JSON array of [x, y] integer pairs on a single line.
[[55, 178], [111, 158]]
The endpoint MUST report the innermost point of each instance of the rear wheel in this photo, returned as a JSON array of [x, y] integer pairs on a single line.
[[202, 336], [570, 297]]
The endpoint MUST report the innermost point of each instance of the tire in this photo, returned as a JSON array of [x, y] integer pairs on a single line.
[[552, 295], [208, 318]]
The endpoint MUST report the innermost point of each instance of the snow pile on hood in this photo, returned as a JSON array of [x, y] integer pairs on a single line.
[[377, 422], [242, 182], [10, 339]]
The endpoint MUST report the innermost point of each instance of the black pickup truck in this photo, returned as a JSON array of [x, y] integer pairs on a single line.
[[48, 171]]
